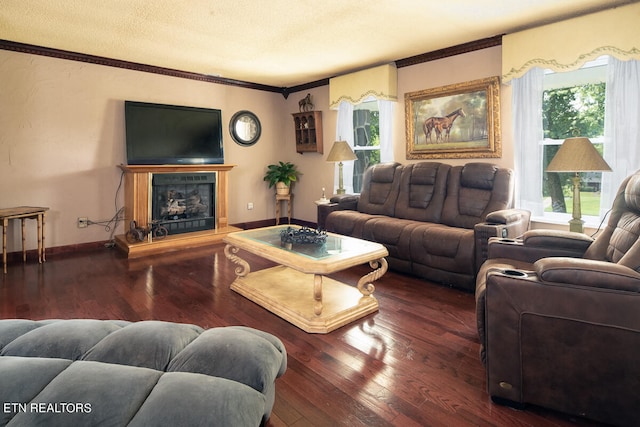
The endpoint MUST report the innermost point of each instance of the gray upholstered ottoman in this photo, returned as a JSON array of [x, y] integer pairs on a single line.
[[102, 372]]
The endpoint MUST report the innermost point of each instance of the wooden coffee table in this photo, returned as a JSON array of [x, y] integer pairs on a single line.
[[297, 289]]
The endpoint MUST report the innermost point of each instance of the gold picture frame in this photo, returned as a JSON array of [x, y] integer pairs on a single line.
[[457, 121]]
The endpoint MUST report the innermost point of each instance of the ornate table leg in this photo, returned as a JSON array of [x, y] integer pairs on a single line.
[[243, 268], [317, 294], [365, 284]]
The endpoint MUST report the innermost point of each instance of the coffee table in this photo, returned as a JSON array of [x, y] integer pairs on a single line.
[[298, 289]]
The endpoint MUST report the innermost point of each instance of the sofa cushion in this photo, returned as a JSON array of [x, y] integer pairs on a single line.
[[65, 339], [234, 353], [202, 398], [422, 191], [393, 233], [348, 223], [380, 189], [113, 394], [618, 242], [444, 248], [32, 374], [157, 343], [475, 190]]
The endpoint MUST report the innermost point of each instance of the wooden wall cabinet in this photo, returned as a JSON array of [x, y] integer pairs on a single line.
[[308, 128]]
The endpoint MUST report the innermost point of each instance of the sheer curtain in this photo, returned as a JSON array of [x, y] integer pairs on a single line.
[[386, 130], [344, 132], [621, 128], [527, 133]]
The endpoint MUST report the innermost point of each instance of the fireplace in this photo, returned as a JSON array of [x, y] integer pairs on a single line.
[[139, 197], [184, 202]]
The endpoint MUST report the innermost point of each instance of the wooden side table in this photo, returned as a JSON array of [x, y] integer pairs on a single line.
[[286, 198], [23, 213]]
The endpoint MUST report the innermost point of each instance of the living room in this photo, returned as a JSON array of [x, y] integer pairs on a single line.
[[63, 139]]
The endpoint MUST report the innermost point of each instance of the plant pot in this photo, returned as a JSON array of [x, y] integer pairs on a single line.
[[282, 188]]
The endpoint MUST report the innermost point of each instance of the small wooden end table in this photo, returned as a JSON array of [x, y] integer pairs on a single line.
[[22, 213], [283, 198]]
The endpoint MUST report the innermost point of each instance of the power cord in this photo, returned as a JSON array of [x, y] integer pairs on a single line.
[[601, 222], [112, 224]]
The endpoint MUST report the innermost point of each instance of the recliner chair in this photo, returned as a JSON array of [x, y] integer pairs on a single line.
[[559, 317]]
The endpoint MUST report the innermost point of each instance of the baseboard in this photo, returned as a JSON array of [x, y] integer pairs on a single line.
[[59, 250]]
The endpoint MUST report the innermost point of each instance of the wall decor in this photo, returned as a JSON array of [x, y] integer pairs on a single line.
[[245, 128], [457, 121]]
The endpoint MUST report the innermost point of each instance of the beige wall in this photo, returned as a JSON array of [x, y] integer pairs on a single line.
[[62, 136]]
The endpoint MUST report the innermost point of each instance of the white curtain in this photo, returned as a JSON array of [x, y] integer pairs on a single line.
[[621, 127], [528, 134], [344, 132], [386, 130]]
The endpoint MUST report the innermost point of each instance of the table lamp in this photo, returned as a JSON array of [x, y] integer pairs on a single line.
[[341, 152], [577, 155]]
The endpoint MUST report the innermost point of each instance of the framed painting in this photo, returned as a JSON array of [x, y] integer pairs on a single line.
[[456, 121]]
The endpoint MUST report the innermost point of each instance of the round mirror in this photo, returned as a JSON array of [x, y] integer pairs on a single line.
[[245, 128]]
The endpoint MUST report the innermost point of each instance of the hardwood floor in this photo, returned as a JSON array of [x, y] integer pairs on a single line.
[[415, 362]]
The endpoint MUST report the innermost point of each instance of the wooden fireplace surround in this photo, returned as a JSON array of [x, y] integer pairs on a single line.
[[137, 201]]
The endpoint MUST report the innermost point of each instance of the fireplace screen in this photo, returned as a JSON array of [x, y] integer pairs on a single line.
[[184, 202]]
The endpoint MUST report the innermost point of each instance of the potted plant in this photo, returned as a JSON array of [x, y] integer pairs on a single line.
[[281, 175]]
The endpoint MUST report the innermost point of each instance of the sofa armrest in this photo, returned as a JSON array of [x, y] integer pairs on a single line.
[[536, 244], [346, 201], [505, 223], [336, 203], [584, 272], [551, 239]]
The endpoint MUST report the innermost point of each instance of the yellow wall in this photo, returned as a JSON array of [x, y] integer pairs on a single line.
[[62, 136]]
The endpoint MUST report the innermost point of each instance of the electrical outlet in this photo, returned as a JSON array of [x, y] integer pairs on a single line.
[[249, 205], [83, 222]]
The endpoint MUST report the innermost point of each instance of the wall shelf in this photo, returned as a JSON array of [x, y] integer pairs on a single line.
[[308, 129]]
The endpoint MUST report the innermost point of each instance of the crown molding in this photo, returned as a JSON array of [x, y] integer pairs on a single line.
[[284, 91]]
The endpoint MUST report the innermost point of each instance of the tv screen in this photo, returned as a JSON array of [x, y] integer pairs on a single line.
[[158, 134]]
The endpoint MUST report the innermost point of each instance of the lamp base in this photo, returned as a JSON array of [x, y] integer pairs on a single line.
[[576, 225], [341, 191]]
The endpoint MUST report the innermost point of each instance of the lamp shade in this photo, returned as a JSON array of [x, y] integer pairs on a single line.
[[341, 152], [577, 155]]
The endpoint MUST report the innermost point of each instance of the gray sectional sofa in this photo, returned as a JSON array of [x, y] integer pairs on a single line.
[[434, 219], [86, 372]]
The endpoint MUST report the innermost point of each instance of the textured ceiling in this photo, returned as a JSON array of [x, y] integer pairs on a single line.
[[280, 43]]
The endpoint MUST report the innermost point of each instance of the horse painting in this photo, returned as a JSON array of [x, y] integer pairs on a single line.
[[441, 125]]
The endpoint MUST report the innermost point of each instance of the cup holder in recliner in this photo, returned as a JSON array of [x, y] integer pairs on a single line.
[[514, 273]]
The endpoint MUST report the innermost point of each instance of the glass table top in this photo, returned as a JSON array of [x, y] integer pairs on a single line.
[[335, 244]]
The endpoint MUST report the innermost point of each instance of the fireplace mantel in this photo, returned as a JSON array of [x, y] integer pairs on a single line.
[[137, 195]]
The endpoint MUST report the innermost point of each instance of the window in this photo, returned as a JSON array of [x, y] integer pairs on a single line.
[[573, 104], [366, 139]]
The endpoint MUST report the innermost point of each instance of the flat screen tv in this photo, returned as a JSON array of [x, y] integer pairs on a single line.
[[158, 134]]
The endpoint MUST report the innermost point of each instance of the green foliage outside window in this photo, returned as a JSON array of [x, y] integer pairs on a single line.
[[567, 112], [366, 127]]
